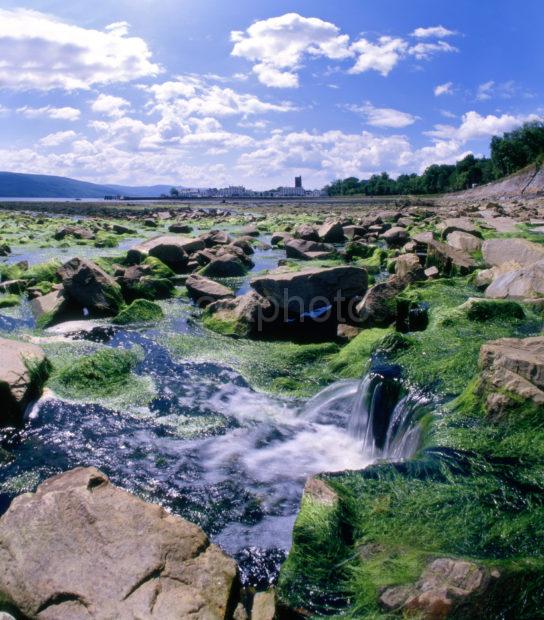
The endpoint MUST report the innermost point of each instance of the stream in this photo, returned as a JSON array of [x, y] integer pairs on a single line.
[[241, 477]]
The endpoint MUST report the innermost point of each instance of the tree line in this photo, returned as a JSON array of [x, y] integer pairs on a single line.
[[508, 153]]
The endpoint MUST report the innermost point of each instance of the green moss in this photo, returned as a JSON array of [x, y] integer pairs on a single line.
[[43, 272], [152, 288], [353, 358], [139, 311], [105, 240], [158, 268], [355, 249], [104, 373], [375, 263], [8, 301], [44, 287]]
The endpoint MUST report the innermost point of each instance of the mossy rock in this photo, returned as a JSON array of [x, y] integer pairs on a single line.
[[139, 311], [8, 301], [104, 373]]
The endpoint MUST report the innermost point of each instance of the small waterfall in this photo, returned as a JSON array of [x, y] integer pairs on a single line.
[[385, 420]]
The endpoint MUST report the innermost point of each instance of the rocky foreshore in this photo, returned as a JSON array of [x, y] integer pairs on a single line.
[[451, 293]]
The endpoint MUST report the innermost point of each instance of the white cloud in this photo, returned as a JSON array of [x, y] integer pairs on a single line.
[[381, 56], [434, 31], [57, 138], [64, 114], [485, 90], [278, 45], [109, 105], [443, 89], [424, 51], [191, 96], [40, 51], [473, 125], [383, 117]]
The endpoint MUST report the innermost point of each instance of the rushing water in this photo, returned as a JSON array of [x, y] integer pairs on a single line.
[[240, 471]]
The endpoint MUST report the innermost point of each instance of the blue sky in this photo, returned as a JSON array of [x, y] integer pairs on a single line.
[[202, 93]]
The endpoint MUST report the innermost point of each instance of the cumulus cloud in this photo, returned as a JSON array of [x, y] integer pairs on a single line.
[[474, 125], [278, 45], [381, 56], [443, 89], [57, 138], [40, 51], [434, 31], [383, 117], [62, 114], [110, 105]]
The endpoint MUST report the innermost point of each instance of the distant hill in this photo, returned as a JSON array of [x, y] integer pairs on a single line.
[[20, 185]]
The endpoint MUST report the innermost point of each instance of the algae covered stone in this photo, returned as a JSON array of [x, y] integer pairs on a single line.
[[139, 311]]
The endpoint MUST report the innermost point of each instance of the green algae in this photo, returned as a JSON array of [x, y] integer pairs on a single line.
[[139, 311]]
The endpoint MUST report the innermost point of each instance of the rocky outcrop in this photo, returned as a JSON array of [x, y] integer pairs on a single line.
[[23, 369], [445, 585], [496, 252], [512, 372], [205, 291], [88, 286], [81, 548], [525, 283], [307, 290]]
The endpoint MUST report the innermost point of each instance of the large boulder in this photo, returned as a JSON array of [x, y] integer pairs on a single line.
[[225, 266], [310, 289], [90, 287], [458, 224], [519, 251], [331, 232], [205, 291], [448, 260], [525, 283], [23, 369], [170, 249], [464, 241], [308, 250], [512, 372], [80, 548]]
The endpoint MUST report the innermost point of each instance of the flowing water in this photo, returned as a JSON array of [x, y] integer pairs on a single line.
[[208, 446]]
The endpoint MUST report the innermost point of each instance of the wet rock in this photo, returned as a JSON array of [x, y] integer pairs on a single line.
[[331, 232], [513, 369], [264, 606], [306, 232], [395, 237], [244, 316], [205, 291], [346, 332], [518, 251], [225, 266], [87, 285], [445, 585], [244, 245], [378, 307], [80, 531], [408, 268], [464, 241], [308, 250], [525, 283], [77, 232], [310, 289], [18, 385], [171, 250]]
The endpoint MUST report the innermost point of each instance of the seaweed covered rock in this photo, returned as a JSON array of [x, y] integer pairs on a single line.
[[240, 316], [119, 558], [139, 311], [23, 370], [88, 286]]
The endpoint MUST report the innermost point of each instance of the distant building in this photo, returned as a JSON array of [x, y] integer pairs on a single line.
[[298, 182]]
